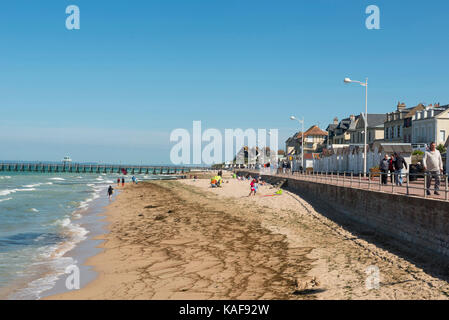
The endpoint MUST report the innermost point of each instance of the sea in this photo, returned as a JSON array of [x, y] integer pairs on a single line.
[[43, 218]]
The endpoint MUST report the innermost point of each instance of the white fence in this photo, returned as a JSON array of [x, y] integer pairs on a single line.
[[346, 160]]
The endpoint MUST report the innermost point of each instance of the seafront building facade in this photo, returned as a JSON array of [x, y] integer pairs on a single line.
[[398, 124], [314, 141], [375, 129], [431, 124]]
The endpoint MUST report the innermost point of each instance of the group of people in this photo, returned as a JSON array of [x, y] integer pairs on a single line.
[[286, 166], [217, 181], [122, 180], [432, 166], [393, 165]]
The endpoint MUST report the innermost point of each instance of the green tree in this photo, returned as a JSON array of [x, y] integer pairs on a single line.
[[441, 148]]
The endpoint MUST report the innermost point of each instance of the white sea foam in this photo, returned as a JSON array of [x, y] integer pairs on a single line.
[[9, 191], [5, 177], [6, 192], [33, 185], [1, 200], [53, 257], [37, 287], [34, 210]]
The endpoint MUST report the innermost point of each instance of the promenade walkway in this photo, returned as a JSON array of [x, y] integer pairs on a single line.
[[415, 188]]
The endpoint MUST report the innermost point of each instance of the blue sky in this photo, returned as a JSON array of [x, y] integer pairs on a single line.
[[115, 89]]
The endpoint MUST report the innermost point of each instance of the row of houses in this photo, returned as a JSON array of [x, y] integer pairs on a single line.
[[417, 126]]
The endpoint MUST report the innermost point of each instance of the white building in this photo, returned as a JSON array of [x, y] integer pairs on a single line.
[[431, 124]]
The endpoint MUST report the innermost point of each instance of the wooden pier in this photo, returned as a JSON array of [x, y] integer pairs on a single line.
[[91, 168]]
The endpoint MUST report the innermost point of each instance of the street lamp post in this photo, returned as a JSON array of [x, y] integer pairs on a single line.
[[365, 116], [302, 139]]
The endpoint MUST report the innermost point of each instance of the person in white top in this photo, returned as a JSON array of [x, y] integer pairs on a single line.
[[433, 164]]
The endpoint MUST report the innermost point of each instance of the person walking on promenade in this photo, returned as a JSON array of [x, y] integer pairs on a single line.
[[399, 164], [110, 192], [383, 166], [391, 168], [433, 165]]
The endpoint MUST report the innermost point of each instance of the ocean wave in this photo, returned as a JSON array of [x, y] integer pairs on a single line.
[[1, 200], [34, 210], [36, 287], [57, 179], [9, 191], [5, 177], [33, 185], [54, 258]]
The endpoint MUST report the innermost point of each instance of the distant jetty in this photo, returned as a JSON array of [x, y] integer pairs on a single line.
[[93, 168]]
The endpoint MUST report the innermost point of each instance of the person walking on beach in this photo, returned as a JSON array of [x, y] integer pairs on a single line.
[[110, 192], [433, 165], [399, 164], [123, 181], [384, 166], [118, 181]]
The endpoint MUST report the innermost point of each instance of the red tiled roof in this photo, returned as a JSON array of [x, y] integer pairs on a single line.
[[313, 131], [311, 156]]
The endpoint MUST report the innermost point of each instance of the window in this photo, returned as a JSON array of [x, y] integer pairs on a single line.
[[399, 131], [386, 133], [442, 136]]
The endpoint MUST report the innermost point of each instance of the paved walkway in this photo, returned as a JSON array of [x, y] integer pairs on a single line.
[[412, 188]]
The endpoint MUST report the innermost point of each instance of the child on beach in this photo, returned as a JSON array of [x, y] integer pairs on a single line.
[[123, 182], [253, 187], [110, 192]]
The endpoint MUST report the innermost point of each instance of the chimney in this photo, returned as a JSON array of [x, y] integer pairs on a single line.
[[401, 106], [335, 120]]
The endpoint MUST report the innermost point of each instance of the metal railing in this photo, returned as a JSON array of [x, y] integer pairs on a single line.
[[410, 184]]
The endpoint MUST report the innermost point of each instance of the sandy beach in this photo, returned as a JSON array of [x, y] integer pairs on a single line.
[[184, 240]]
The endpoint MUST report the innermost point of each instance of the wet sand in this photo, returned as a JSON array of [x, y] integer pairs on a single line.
[[184, 240]]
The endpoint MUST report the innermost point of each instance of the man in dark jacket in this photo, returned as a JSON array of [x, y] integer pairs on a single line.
[[383, 166], [399, 164]]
